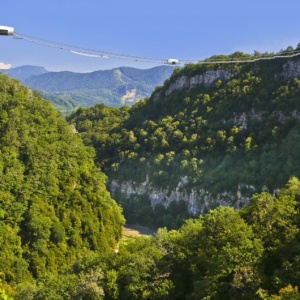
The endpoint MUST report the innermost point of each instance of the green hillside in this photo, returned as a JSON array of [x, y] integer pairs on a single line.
[[60, 230], [54, 206], [239, 134]]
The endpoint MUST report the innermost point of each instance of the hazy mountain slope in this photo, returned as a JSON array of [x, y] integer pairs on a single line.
[[68, 90], [68, 81], [109, 79], [113, 87], [24, 72], [213, 134]]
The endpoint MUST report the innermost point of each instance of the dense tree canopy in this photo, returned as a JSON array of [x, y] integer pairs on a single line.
[[60, 230], [54, 206], [239, 132], [226, 254]]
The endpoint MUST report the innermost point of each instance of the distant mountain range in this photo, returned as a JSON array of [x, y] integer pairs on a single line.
[[116, 87]]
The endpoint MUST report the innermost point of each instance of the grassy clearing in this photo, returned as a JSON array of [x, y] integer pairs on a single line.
[[134, 230]]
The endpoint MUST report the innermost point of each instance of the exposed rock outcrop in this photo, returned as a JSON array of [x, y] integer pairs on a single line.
[[198, 200], [207, 78], [291, 69], [131, 96]]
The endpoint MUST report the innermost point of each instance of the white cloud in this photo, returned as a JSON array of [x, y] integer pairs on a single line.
[[4, 66]]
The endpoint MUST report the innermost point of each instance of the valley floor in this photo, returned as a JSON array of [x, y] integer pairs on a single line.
[[135, 230]]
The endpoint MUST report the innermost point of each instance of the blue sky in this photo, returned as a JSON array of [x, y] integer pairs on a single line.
[[159, 29]]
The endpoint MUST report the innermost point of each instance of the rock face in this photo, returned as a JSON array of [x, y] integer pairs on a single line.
[[198, 200], [207, 78], [131, 96], [291, 69]]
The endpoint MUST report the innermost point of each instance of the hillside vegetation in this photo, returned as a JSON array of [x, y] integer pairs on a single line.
[[237, 134], [59, 228], [54, 206], [225, 254]]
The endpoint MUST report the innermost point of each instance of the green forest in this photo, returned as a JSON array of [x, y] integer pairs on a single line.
[[55, 208], [61, 230], [241, 133]]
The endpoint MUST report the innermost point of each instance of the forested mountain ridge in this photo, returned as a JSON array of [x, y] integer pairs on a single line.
[[116, 87], [213, 134], [54, 206], [24, 72]]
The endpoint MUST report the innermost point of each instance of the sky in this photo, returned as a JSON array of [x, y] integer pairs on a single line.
[[156, 29]]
